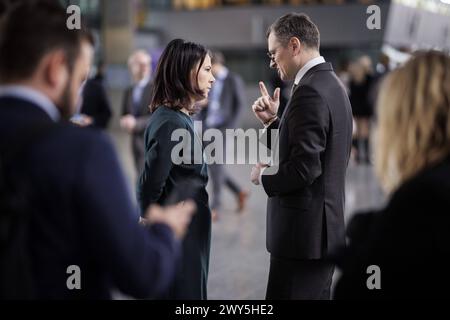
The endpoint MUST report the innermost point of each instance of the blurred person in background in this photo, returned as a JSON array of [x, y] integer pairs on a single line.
[[362, 108], [95, 108], [183, 78], [223, 110], [381, 71], [135, 111], [343, 74], [408, 239], [383, 66], [63, 196]]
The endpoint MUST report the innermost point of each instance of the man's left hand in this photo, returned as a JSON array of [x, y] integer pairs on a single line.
[[255, 176]]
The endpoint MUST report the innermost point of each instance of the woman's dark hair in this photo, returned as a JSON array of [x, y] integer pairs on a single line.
[[173, 86]]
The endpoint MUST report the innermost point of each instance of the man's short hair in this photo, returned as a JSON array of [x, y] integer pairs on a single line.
[[139, 55], [29, 31], [217, 57], [296, 25]]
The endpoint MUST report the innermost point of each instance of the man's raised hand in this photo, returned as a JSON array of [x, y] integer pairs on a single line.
[[266, 107]]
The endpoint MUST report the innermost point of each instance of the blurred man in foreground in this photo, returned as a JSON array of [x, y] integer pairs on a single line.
[[78, 214]]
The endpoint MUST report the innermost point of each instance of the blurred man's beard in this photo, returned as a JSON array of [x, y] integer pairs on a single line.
[[64, 105]]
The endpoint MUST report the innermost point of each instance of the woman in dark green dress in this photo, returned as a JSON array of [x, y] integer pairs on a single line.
[[183, 78]]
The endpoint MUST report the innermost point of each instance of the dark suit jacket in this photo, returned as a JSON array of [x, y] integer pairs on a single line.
[[96, 103], [232, 102], [83, 214], [142, 116], [305, 210], [408, 240]]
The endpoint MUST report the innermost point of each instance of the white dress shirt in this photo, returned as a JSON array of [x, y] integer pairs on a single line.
[[138, 92], [309, 65]]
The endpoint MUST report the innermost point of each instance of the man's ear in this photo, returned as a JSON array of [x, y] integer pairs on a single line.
[[55, 70], [296, 45]]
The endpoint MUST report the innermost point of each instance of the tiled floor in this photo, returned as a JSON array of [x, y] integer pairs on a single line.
[[239, 260]]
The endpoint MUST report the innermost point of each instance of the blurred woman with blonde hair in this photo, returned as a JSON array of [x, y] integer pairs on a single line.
[[407, 242], [414, 128]]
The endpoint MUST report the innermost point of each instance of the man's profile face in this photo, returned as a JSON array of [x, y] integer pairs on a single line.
[[69, 99], [216, 67], [281, 59], [140, 68]]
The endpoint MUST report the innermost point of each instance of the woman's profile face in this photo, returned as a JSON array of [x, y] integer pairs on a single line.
[[205, 77]]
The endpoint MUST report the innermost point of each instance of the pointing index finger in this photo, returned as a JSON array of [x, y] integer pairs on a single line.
[[263, 89]]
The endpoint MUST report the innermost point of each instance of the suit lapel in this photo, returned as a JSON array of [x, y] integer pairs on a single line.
[[326, 66], [226, 83], [145, 99]]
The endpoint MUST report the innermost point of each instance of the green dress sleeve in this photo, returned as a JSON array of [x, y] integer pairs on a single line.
[[158, 161]]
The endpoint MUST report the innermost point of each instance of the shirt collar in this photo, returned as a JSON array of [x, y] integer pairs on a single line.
[[143, 82], [33, 96], [309, 65], [222, 74]]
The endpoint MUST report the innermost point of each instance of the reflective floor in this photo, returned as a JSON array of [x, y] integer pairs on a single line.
[[239, 261]]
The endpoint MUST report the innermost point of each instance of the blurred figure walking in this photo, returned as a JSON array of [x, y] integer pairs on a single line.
[[223, 110], [135, 106], [362, 108], [95, 107]]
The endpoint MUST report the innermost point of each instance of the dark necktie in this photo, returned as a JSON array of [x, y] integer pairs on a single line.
[[293, 88]]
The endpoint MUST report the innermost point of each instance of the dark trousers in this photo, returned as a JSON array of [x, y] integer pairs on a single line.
[[219, 178], [299, 279]]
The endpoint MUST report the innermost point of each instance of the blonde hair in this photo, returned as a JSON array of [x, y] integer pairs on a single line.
[[414, 118]]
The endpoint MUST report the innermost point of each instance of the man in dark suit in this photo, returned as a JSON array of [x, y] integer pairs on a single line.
[[136, 101], [80, 211], [95, 107], [225, 104], [306, 188]]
